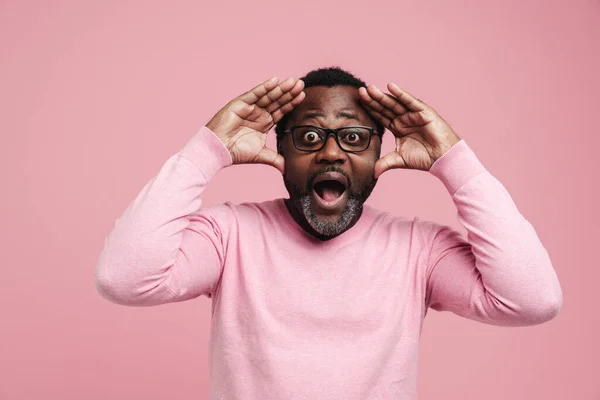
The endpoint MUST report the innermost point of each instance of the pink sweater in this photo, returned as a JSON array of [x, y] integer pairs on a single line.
[[297, 318]]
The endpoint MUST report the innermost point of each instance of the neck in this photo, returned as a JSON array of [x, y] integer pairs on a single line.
[[301, 220]]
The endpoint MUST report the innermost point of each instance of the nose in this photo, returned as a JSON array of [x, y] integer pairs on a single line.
[[331, 152]]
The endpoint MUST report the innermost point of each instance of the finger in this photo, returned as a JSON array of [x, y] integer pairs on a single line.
[[372, 104], [387, 101], [380, 117], [280, 112], [402, 125], [409, 121], [286, 97], [272, 158], [245, 110], [259, 91], [411, 102], [389, 161], [363, 94], [275, 93]]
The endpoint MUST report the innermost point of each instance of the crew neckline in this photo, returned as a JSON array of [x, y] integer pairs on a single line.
[[350, 235]]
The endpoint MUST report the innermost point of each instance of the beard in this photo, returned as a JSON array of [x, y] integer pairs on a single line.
[[302, 199]]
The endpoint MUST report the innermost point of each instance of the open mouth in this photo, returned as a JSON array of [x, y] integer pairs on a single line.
[[330, 191]]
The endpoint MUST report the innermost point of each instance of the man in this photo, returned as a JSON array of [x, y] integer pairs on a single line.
[[320, 296]]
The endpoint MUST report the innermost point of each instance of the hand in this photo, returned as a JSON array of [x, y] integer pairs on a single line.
[[242, 125], [422, 136]]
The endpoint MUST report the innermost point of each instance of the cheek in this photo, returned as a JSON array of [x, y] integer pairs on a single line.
[[296, 168], [364, 167], [368, 158]]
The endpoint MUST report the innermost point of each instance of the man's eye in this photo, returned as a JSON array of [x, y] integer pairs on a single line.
[[352, 138], [310, 137]]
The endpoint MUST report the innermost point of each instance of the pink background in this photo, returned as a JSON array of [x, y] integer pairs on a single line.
[[95, 96]]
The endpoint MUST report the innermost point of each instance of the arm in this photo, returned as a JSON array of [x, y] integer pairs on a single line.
[[501, 274], [164, 248]]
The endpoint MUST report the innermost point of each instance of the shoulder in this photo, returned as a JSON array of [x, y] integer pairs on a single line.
[[420, 229], [230, 212], [386, 219]]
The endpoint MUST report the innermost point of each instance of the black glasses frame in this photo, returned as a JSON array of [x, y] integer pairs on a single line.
[[333, 132]]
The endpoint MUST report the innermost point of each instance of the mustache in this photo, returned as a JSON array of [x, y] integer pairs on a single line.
[[331, 168]]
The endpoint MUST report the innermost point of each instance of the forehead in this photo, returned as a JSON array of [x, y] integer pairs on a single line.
[[330, 101], [324, 97]]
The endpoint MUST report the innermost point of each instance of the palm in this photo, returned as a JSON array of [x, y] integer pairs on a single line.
[[422, 136], [249, 126], [242, 125], [413, 152], [420, 143]]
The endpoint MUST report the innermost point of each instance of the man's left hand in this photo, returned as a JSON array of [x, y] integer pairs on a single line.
[[422, 136]]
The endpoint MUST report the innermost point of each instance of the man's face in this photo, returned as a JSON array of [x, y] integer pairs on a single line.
[[334, 204]]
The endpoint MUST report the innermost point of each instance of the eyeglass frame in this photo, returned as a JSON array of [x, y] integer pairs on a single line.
[[334, 132]]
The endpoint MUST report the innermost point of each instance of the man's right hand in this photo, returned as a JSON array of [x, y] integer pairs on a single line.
[[242, 125]]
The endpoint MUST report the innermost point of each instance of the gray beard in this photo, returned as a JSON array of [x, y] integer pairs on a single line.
[[302, 200], [329, 228]]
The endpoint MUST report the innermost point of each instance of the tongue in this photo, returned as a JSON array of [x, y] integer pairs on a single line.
[[330, 193]]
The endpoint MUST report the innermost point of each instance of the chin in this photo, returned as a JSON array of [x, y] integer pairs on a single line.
[[330, 223], [328, 209]]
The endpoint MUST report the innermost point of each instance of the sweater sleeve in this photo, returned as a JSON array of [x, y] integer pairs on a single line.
[[164, 247], [501, 274]]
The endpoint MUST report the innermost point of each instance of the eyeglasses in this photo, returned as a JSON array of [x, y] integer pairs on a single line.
[[351, 139]]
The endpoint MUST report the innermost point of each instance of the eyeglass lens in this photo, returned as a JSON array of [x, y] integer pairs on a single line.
[[350, 139]]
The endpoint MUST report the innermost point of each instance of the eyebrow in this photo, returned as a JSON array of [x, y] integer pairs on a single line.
[[342, 114]]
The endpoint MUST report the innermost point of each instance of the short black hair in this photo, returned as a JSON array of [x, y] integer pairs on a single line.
[[329, 77]]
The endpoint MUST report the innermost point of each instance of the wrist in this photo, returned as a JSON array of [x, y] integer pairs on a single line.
[[218, 132], [449, 144], [207, 152], [457, 166]]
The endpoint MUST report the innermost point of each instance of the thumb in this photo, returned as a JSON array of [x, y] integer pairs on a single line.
[[272, 158], [389, 161]]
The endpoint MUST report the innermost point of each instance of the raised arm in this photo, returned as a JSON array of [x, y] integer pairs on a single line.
[[166, 247], [501, 274]]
